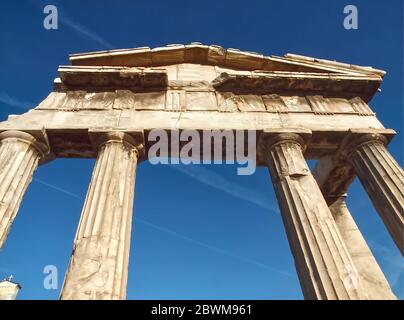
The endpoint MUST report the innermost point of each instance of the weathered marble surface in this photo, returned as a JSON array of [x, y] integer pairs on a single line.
[[20, 154], [98, 268], [324, 265], [374, 282], [383, 179]]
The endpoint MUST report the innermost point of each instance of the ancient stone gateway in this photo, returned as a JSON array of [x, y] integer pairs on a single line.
[[105, 104]]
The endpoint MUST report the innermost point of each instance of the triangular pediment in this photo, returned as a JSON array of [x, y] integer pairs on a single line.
[[197, 53]]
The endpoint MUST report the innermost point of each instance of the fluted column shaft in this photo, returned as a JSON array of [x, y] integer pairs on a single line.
[[324, 265], [383, 180], [99, 264], [372, 276], [20, 153]]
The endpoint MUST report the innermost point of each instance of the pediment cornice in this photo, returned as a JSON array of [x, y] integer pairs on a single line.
[[216, 55]]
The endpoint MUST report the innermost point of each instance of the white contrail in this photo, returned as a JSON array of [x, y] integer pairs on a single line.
[[14, 102], [176, 234], [75, 26], [214, 180], [84, 31], [58, 189], [212, 248], [395, 264]]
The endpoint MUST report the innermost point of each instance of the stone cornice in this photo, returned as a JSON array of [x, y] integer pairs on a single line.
[[215, 55], [105, 78], [257, 82], [348, 86], [292, 72]]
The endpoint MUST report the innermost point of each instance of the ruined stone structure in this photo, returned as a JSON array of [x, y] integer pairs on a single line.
[[105, 103], [9, 289]]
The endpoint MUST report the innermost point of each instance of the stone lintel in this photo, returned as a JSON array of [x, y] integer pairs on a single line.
[[68, 141]]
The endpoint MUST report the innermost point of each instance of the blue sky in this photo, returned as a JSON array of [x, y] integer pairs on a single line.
[[191, 239]]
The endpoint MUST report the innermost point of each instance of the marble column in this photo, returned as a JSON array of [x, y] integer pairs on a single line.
[[20, 153], [98, 267], [383, 180], [324, 265], [372, 276]]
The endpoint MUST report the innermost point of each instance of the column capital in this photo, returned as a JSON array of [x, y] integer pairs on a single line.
[[274, 140], [38, 140], [133, 139], [359, 137], [359, 140], [273, 137]]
